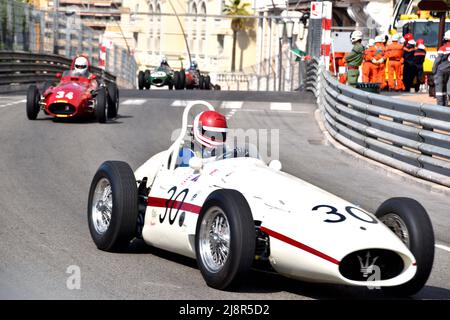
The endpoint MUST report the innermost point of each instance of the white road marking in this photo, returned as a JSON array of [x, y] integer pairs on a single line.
[[181, 103], [134, 102], [440, 246], [232, 105], [12, 103], [280, 106]]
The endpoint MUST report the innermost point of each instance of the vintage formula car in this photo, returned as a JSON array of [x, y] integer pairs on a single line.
[[160, 77], [192, 79], [236, 212], [74, 96]]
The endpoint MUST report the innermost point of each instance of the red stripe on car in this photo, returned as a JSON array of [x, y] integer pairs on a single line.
[[163, 203], [299, 245]]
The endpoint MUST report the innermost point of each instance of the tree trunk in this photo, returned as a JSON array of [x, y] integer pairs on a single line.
[[233, 56]]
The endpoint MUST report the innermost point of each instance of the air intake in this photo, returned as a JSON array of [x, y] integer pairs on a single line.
[[360, 265]]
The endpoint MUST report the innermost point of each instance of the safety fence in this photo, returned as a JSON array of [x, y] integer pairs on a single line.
[[20, 69], [24, 28], [409, 136]]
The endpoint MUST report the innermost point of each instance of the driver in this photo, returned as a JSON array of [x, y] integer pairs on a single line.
[[81, 67], [209, 137], [164, 62]]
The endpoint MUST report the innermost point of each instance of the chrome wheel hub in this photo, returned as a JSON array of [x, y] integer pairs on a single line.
[[214, 239], [398, 226], [102, 204]]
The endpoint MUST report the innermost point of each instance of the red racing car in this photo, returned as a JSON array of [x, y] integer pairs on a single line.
[[78, 93]]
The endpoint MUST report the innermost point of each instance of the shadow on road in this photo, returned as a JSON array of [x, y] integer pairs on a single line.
[[266, 282], [84, 120]]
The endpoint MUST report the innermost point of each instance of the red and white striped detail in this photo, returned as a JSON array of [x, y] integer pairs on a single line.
[[102, 57], [327, 16]]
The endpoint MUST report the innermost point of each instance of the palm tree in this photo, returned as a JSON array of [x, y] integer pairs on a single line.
[[237, 8]]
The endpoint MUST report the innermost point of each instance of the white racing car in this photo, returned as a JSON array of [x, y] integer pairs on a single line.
[[235, 211]]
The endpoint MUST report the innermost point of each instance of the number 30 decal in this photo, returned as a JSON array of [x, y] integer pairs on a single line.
[[336, 217], [62, 94]]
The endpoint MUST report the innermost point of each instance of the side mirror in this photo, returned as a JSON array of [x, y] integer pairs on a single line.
[[275, 165], [58, 75], [196, 164]]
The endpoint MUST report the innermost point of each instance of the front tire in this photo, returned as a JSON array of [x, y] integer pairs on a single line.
[[33, 97], [113, 206], [409, 220], [100, 110], [225, 239]]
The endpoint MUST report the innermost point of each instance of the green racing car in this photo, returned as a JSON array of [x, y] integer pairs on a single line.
[[160, 77]]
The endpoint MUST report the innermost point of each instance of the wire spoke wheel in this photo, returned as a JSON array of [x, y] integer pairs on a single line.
[[214, 239], [398, 226], [102, 206]]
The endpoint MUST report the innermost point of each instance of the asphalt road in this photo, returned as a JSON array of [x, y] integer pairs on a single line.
[[46, 168]]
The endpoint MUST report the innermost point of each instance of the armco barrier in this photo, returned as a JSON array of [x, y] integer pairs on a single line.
[[409, 136], [19, 69]]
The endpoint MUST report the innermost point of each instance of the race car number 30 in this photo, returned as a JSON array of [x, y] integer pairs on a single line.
[[334, 216]]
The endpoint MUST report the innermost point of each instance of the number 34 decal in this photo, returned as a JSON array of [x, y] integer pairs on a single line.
[[336, 216], [63, 94]]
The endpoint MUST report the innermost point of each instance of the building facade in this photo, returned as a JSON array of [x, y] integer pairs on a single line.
[[152, 30]]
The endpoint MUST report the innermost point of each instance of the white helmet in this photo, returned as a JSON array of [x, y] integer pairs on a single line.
[[379, 39], [80, 67], [401, 40], [356, 36], [371, 42], [447, 35], [396, 37]]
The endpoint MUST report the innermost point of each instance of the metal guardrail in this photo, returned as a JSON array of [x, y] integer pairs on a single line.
[[409, 136], [24, 68]]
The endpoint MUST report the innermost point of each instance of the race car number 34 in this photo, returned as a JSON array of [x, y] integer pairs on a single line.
[[229, 310]]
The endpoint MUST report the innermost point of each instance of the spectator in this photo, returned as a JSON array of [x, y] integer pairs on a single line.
[[409, 68], [355, 58], [394, 53], [441, 71], [419, 59]]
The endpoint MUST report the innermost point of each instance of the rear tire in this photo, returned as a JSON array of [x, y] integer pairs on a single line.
[[182, 80], [119, 203], [141, 80], [410, 215], [113, 100], [100, 110], [229, 209], [201, 82], [33, 98], [207, 83]]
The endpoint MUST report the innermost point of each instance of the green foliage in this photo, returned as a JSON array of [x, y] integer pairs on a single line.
[[239, 8]]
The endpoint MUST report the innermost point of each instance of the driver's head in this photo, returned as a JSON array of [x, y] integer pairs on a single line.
[[80, 66], [164, 60], [194, 65], [210, 129]]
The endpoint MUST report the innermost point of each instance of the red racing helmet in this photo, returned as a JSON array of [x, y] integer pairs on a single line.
[[210, 129]]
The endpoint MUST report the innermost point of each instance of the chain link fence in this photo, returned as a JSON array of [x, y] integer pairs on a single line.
[[24, 28]]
